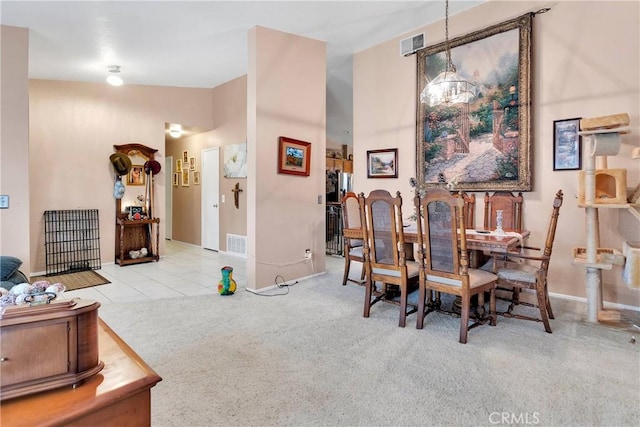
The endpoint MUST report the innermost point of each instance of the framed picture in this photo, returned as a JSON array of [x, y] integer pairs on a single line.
[[185, 177], [382, 163], [185, 157], [567, 145], [294, 157], [136, 175], [175, 179], [179, 165], [476, 130], [192, 163], [196, 178]]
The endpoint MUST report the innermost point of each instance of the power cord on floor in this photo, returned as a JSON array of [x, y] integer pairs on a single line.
[[280, 285]]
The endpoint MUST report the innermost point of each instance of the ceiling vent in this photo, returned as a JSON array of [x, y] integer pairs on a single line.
[[412, 44]]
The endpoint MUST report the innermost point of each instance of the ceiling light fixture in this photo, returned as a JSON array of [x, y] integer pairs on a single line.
[[175, 131], [113, 79], [448, 87]]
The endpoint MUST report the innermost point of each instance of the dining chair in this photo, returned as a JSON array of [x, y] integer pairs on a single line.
[[530, 273], [352, 247], [384, 252], [469, 209], [444, 263], [509, 204]]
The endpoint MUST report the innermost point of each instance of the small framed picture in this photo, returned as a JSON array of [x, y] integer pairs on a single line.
[[185, 157], [192, 163], [179, 165], [294, 157], [196, 178], [382, 163], [567, 145], [136, 175], [175, 179], [185, 177]]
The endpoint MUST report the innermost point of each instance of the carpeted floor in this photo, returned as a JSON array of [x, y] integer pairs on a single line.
[[310, 359], [73, 281]]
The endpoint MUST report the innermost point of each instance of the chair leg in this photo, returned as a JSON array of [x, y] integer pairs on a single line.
[[347, 266], [367, 297], [362, 273], [403, 306], [422, 295], [464, 318], [542, 303], [492, 307], [546, 297]]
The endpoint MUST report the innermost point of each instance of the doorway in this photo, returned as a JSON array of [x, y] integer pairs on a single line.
[[168, 197], [210, 198]]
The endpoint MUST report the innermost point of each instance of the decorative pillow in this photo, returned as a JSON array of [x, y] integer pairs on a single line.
[[8, 266]]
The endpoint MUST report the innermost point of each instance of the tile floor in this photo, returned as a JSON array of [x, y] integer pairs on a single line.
[[184, 270]]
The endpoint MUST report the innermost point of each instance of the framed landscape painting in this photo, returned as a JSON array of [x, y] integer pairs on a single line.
[[382, 163], [294, 156], [567, 153], [474, 124]]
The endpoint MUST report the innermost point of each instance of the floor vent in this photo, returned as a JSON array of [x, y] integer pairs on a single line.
[[237, 245]]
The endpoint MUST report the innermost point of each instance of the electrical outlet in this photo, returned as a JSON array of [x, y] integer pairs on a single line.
[[307, 254]]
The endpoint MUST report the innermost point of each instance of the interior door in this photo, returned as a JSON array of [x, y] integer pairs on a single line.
[[210, 198], [168, 197]]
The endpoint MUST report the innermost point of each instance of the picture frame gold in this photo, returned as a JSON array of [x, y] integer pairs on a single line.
[[192, 163], [492, 122], [179, 165], [185, 157], [185, 177], [136, 176], [196, 178]]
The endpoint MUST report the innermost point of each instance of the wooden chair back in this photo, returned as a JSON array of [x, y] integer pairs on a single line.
[[551, 231], [353, 250], [442, 238], [509, 204], [469, 209]]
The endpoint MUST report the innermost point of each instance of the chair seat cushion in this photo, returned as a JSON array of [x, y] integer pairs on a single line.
[[479, 277], [476, 278], [356, 252], [413, 269], [518, 273]]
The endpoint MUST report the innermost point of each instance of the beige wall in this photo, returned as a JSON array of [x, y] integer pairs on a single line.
[[14, 144], [73, 127], [585, 64], [286, 96]]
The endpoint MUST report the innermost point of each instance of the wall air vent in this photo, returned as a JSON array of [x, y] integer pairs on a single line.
[[412, 44], [237, 245]]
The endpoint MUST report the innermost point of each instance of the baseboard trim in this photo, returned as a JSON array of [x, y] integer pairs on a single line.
[[606, 304]]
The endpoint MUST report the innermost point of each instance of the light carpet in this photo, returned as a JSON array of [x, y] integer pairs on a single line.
[[73, 281], [311, 359]]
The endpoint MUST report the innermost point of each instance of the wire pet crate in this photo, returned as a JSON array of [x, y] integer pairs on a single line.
[[72, 241]]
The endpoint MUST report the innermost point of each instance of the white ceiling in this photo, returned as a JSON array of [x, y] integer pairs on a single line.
[[204, 43]]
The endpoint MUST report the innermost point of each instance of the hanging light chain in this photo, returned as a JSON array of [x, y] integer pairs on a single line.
[[449, 65]]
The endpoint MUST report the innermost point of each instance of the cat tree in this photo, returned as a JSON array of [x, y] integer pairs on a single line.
[[601, 187]]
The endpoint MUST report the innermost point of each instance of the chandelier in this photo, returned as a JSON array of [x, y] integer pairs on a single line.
[[448, 87]]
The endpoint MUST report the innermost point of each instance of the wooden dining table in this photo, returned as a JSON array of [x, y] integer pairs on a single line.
[[478, 240]]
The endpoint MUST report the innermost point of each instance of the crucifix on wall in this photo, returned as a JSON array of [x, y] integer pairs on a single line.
[[236, 195]]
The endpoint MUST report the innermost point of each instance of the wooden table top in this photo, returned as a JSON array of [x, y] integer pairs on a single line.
[[124, 374], [476, 240]]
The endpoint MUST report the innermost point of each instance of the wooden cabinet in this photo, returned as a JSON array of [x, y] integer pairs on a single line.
[[119, 396], [340, 165], [135, 234], [48, 346], [132, 235]]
